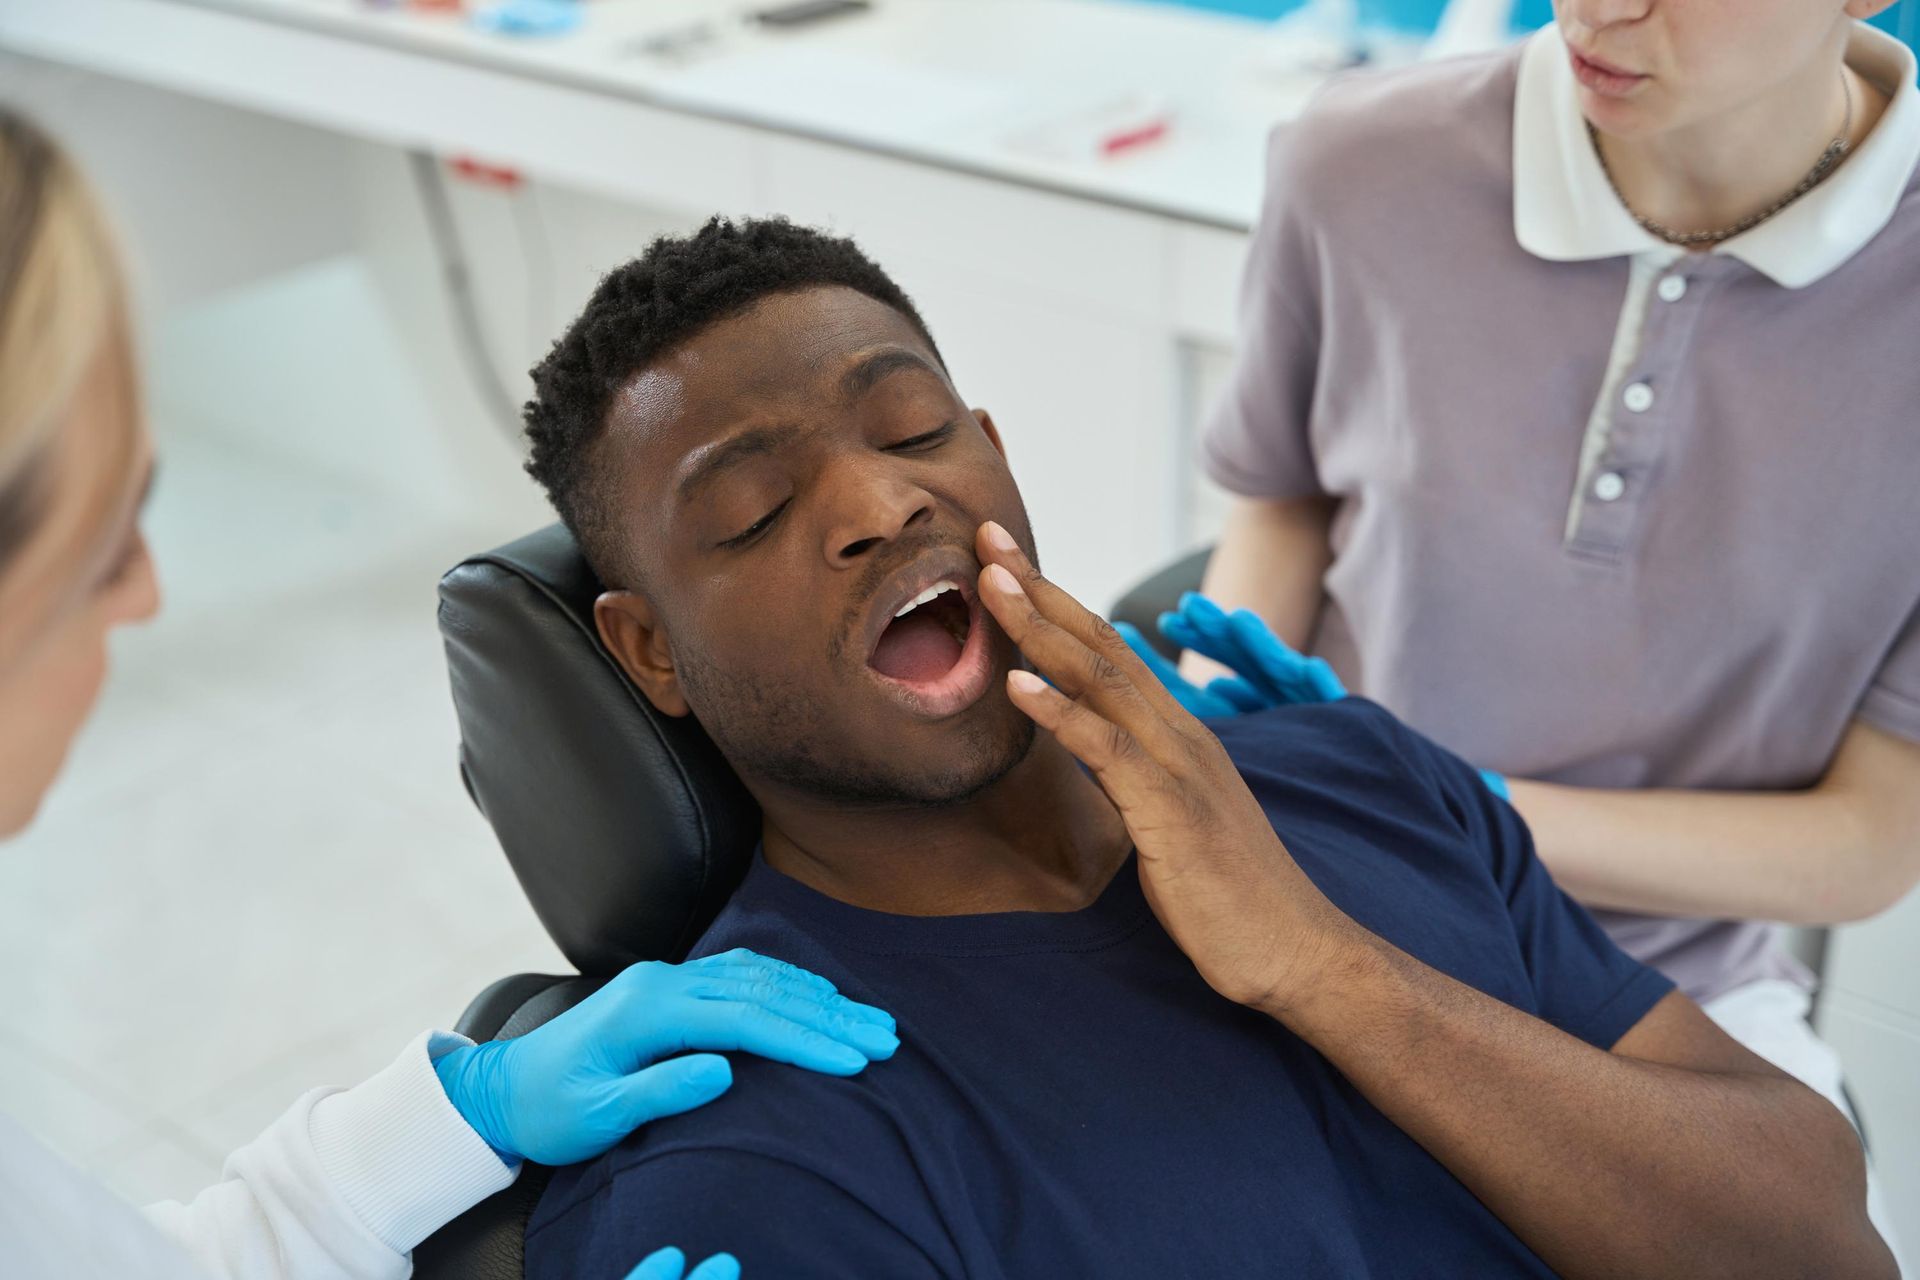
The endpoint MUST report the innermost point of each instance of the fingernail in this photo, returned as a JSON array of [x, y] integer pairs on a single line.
[[847, 1058], [867, 1013], [999, 539], [875, 1042], [1004, 581], [714, 1073], [1026, 681]]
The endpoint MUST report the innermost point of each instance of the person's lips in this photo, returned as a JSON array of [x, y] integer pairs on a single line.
[[1602, 76], [967, 679], [949, 564]]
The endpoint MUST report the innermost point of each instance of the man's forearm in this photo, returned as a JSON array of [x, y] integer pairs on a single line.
[[1603, 1164]]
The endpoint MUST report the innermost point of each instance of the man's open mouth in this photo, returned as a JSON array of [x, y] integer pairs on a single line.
[[924, 640], [933, 653]]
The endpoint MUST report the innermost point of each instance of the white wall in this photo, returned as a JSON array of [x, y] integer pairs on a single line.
[[208, 197]]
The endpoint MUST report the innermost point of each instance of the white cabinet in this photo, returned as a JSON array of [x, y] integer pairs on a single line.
[[1870, 1011]]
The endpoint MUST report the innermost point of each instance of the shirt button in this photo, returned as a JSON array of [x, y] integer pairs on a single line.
[[1609, 486], [1673, 288], [1638, 397]]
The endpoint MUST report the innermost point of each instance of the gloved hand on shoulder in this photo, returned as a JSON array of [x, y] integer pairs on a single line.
[[570, 1089]]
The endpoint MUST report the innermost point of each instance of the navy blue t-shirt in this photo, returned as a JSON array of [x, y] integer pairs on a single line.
[[1070, 1100]]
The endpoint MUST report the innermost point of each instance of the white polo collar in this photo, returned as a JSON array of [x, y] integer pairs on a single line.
[[1564, 209]]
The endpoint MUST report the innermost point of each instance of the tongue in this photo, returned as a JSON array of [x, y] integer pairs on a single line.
[[916, 649]]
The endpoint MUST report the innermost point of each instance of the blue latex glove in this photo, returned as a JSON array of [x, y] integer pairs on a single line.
[[1210, 701], [571, 1088], [1242, 641], [1271, 672], [668, 1264]]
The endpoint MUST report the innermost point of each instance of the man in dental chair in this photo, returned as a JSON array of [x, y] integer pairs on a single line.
[[1286, 994]]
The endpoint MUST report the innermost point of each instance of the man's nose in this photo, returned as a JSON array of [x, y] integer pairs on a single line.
[[872, 505]]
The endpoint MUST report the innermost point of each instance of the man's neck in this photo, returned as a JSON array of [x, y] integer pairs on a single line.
[[1042, 838], [1717, 172]]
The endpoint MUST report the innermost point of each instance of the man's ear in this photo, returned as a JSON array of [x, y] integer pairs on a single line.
[[638, 642], [985, 420]]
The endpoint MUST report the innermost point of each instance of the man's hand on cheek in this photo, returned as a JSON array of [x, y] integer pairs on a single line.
[[1218, 877]]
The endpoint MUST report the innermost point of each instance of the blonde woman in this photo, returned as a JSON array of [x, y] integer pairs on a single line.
[[1575, 421], [347, 1181]]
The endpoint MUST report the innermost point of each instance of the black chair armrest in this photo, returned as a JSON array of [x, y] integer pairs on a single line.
[[488, 1241], [1143, 604], [489, 1012]]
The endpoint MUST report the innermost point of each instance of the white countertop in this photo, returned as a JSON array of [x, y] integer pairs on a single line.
[[977, 86]]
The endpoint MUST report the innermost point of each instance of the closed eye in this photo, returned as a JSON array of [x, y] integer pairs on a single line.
[[755, 529], [927, 440], [932, 439]]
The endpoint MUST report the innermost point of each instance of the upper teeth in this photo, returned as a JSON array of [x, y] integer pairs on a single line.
[[937, 588]]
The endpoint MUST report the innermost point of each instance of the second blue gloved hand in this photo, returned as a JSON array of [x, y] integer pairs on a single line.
[[668, 1264], [1270, 672], [571, 1088], [1243, 641], [1213, 700]]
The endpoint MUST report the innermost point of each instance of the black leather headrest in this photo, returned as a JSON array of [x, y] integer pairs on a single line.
[[627, 828]]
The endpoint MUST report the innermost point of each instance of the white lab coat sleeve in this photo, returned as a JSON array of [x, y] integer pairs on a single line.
[[344, 1184]]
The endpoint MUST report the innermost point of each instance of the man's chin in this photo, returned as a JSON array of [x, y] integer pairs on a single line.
[[1013, 745], [951, 763]]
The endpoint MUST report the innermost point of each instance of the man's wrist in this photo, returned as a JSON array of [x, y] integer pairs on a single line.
[[1331, 981]]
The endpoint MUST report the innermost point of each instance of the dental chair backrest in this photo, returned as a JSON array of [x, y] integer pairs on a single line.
[[627, 829]]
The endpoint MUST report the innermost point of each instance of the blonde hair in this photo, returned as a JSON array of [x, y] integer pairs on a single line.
[[61, 296]]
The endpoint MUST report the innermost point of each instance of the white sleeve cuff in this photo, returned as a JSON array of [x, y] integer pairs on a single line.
[[400, 1154]]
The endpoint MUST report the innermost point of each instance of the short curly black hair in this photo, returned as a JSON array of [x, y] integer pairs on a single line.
[[641, 311]]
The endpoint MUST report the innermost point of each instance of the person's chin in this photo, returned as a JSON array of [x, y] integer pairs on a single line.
[[969, 752], [17, 812], [999, 754], [1633, 117], [1004, 734]]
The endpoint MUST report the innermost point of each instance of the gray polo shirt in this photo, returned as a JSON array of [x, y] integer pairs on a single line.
[[1607, 515]]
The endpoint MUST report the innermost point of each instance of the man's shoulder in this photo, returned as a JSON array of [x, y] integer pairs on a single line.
[[1350, 731], [830, 1148], [1345, 766], [804, 1119], [781, 1124], [770, 914]]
